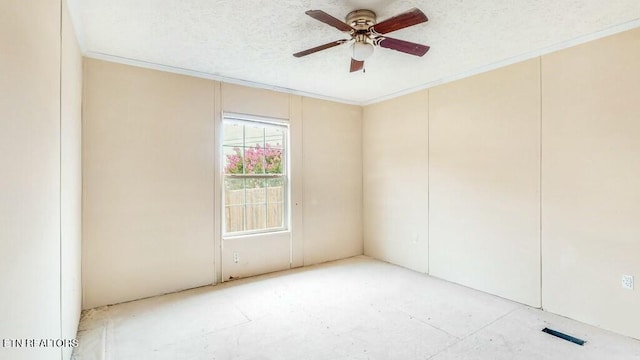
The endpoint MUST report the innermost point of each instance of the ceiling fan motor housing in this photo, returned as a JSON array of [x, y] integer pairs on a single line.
[[361, 20]]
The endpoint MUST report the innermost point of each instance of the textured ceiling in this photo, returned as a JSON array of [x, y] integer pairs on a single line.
[[253, 41]]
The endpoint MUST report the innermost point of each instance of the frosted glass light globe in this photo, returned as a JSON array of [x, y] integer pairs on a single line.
[[361, 50]]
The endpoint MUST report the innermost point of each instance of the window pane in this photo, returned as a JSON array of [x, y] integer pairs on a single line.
[[256, 217], [254, 135], [275, 203], [233, 160], [234, 218], [234, 204], [255, 198], [234, 192], [254, 160], [233, 135], [254, 149], [274, 162], [273, 151], [274, 137], [255, 190]]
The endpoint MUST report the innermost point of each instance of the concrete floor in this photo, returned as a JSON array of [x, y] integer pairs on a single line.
[[357, 308]]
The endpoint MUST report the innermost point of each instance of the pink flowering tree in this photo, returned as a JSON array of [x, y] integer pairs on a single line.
[[256, 160]]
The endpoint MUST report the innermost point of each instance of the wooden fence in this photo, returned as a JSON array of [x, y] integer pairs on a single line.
[[263, 209]]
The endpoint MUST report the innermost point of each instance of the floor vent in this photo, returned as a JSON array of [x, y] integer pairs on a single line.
[[564, 336]]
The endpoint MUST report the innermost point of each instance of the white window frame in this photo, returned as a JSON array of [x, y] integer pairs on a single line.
[[244, 119]]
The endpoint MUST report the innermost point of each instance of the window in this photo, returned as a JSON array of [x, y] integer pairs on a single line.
[[255, 175]]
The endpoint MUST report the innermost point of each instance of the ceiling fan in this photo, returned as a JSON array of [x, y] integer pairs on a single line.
[[366, 34]]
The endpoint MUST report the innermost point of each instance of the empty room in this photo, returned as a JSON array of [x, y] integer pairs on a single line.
[[355, 179]]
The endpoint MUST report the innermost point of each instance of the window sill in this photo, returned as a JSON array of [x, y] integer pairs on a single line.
[[257, 234]]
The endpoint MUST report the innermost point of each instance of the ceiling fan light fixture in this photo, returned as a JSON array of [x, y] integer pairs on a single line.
[[365, 34], [361, 50]]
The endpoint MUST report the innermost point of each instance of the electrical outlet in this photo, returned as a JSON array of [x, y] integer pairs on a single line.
[[236, 257], [627, 282]]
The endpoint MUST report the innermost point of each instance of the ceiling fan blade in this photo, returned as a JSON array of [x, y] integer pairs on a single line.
[[401, 45], [406, 19], [319, 48], [329, 20], [356, 65]]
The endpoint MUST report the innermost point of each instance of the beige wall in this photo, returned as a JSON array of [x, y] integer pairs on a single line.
[[484, 174], [395, 180], [451, 181], [253, 101], [71, 181], [152, 191], [257, 254], [39, 157], [148, 178], [591, 172], [30, 162], [332, 173], [547, 219]]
